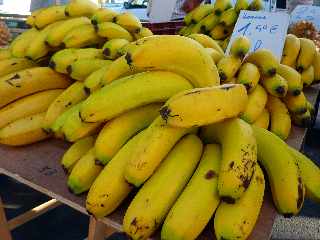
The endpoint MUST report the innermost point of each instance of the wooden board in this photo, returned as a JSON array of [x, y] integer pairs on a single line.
[[38, 166]]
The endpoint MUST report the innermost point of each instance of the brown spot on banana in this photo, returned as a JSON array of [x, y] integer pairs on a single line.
[[210, 174]]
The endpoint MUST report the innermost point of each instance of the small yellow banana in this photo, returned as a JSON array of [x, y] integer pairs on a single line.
[[111, 48], [303, 120], [31, 19], [209, 22], [221, 32], [290, 50], [240, 47], [263, 120], [275, 85], [241, 5], [228, 67], [128, 21], [206, 41], [78, 8], [142, 32], [221, 5], [49, 15], [293, 79], [110, 30], [201, 11], [308, 76], [229, 17], [103, 15], [215, 55], [249, 76], [296, 104], [306, 54], [92, 82], [20, 44]]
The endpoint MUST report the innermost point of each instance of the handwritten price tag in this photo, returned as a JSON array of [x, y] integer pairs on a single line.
[[308, 13], [264, 29]]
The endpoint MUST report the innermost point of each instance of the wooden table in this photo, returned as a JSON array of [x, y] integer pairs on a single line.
[[38, 166]]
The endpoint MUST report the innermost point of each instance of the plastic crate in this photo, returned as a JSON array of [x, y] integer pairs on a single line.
[[167, 28]]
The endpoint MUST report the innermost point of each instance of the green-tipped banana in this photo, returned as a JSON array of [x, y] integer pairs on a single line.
[[229, 17], [220, 6]]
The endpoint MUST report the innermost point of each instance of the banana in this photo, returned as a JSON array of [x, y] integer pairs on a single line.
[[29, 105], [191, 107], [119, 130], [214, 54], [12, 65], [23, 131], [293, 79], [147, 211], [275, 85], [198, 201], [74, 128], [206, 41], [75, 152], [239, 156], [83, 173], [31, 19], [290, 50], [78, 8], [209, 22], [228, 67], [229, 17], [111, 30], [296, 104], [316, 67], [28, 81], [249, 76], [189, 28], [236, 221], [257, 100], [49, 15], [68, 98], [220, 6], [241, 5], [240, 47], [62, 59], [92, 82], [21, 43], [158, 141], [163, 53], [221, 32], [128, 21], [82, 68], [188, 17], [201, 12], [306, 54], [256, 5], [111, 48], [310, 174], [280, 121], [307, 76], [283, 174], [182, 30], [197, 28], [110, 188], [137, 90], [303, 120], [81, 36], [103, 15], [142, 32], [5, 53], [57, 34], [263, 120]]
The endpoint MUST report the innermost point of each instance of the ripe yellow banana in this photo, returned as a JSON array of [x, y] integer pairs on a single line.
[[308, 76], [198, 201], [201, 12], [81, 36], [164, 53], [310, 174], [280, 121], [28, 81], [249, 76], [111, 48], [290, 50], [256, 5], [82, 68], [23, 131], [11, 65], [275, 85], [236, 221], [57, 34], [316, 67], [306, 54], [296, 104], [119, 130], [21, 43], [265, 61], [78, 8], [110, 188], [303, 120], [147, 210], [206, 41], [68, 98], [75, 152], [137, 90], [5, 53], [84, 173], [209, 22], [241, 5], [228, 67], [92, 82], [214, 54], [49, 15], [221, 5], [128, 21], [263, 120], [29, 105], [283, 173], [239, 156], [158, 141], [256, 102], [191, 107], [293, 79], [103, 15], [229, 17], [62, 59], [240, 47], [142, 32], [31, 19], [220, 32], [110, 30]]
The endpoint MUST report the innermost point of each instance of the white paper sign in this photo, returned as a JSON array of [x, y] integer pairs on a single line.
[[264, 29], [308, 13]]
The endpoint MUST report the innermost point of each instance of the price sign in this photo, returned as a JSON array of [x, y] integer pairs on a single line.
[[306, 12], [264, 29]]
